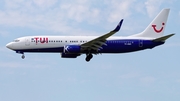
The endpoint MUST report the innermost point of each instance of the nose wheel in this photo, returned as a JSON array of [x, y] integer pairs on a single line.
[[21, 52], [89, 57], [23, 56]]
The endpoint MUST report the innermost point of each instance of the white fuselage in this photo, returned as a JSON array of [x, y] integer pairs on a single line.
[[37, 42]]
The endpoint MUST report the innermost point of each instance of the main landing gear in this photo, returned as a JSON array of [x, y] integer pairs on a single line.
[[89, 57]]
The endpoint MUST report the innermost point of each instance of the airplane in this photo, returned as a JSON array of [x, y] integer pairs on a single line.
[[74, 46]]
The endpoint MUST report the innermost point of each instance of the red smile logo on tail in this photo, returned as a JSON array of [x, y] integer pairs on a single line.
[[160, 30]]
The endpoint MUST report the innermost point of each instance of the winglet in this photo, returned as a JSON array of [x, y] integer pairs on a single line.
[[162, 39], [118, 26]]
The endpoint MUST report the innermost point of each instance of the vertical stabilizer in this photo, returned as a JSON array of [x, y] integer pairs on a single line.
[[156, 28]]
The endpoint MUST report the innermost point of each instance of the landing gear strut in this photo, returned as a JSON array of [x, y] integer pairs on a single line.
[[21, 52], [23, 56], [89, 57]]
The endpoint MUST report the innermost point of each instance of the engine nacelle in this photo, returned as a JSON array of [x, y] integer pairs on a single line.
[[72, 49], [64, 55]]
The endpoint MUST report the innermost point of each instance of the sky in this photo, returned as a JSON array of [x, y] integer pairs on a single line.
[[148, 75]]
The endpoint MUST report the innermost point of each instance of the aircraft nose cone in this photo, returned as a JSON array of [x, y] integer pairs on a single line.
[[9, 45]]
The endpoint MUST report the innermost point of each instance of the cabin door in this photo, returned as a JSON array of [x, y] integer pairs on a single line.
[[140, 43], [27, 42]]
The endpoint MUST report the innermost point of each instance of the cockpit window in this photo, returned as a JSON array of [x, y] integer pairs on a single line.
[[16, 40]]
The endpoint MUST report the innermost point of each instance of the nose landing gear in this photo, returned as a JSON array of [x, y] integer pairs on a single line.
[[21, 52], [89, 57]]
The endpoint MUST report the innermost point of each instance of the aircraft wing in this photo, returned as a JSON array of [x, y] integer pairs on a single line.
[[98, 42]]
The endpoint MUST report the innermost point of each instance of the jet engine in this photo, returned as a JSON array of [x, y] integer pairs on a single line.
[[72, 49], [64, 55]]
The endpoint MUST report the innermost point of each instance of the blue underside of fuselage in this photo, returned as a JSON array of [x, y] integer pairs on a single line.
[[113, 46]]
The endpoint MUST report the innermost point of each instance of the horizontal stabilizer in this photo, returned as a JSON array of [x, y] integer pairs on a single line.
[[162, 39]]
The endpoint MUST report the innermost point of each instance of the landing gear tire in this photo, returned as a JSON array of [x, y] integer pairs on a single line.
[[89, 57], [23, 56]]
